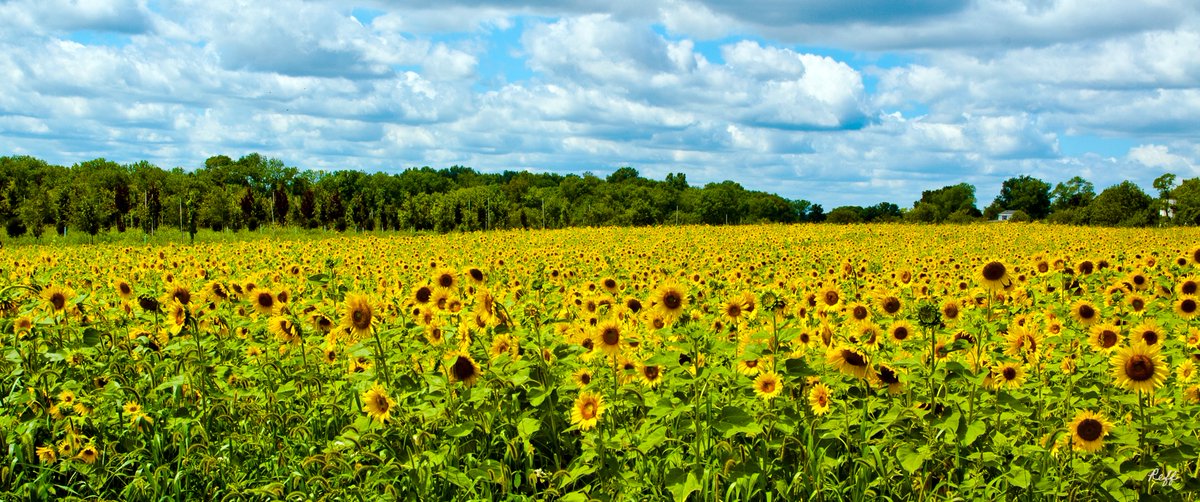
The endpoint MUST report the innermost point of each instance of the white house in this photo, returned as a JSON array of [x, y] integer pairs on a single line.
[[1005, 215]]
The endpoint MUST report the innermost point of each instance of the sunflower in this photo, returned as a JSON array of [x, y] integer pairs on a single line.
[[670, 299], [264, 301], [463, 368], [768, 385], [88, 454], [283, 329], [358, 316], [1023, 341], [867, 334], [582, 377], [377, 404], [900, 331], [951, 309], [1088, 430], [422, 294], [889, 304], [476, 275], [1139, 367], [504, 344], [830, 297], [891, 378], [47, 454], [1187, 307], [820, 399], [1085, 312], [445, 279], [178, 292], [732, 308], [849, 361], [1105, 337], [1186, 371], [57, 297], [651, 375], [22, 325], [1009, 376], [609, 284], [124, 289], [587, 410], [609, 337], [749, 367], [1148, 332], [994, 275]]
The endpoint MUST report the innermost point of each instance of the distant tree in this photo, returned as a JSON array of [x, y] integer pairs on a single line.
[[949, 199], [308, 208], [963, 216], [279, 208], [816, 213], [923, 212], [1073, 193], [845, 214], [1024, 193], [1187, 202], [34, 211], [623, 174], [881, 212], [122, 204], [1123, 204]]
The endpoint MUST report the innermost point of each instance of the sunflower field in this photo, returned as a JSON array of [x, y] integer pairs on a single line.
[[981, 362]]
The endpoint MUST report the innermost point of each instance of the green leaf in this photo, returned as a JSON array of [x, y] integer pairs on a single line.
[[734, 420], [460, 430], [528, 426], [910, 459], [1019, 477], [682, 483], [1118, 491], [974, 430], [91, 336], [318, 278]]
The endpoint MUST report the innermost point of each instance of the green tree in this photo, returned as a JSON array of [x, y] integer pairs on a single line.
[[34, 212], [1073, 193], [1187, 202], [1023, 193], [1123, 204], [845, 214], [949, 199]]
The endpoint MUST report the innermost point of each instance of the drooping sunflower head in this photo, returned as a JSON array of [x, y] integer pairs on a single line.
[[178, 292], [850, 361], [768, 385], [462, 368], [1088, 430], [1139, 368]]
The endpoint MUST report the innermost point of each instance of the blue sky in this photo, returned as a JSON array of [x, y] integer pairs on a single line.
[[838, 102]]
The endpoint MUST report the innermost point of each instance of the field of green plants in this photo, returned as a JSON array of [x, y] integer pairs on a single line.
[[981, 362]]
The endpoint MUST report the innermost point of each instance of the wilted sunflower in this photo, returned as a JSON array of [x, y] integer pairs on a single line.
[[820, 399], [359, 315], [670, 299], [1105, 337], [1088, 430], [1085, 312], [768, 385], [850, 362], [47, 454], [377, 404], [57, 298], [994, 275], [1139, 367], [587, 410], [1186, 307], [463, 368]]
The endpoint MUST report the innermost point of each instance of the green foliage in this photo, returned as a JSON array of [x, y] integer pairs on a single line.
[[1187, 206], [948, 200], [1123, 204], [1024, 193], [1071, 194]]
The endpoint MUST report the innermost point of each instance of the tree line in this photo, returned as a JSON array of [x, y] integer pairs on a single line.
[[253, 191]]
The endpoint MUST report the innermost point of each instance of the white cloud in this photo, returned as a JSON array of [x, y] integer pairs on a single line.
[[1160, 157]]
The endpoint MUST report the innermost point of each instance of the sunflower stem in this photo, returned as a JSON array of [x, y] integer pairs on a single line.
[[379, 359]]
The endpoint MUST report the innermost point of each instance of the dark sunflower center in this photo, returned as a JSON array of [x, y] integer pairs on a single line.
[[1090, 429], [633, 305], [672, 300], [753, 363], [1150, 337], [994, 271], [1139, 368], [1087, 312], [58, 300], [1009, 373], [860, 312], [900, 333], [265, 300], [610, 284], [1139, 279], [381, 403], [1108, 338], [853, 358], [589, 410], [891, 305], [476, 274], [585, 378], [463, 369], [125, 289], [611, 336], [886, 375], [445, 280], [950, 311], [361, 317], [1138, 304], [423, 294], [651, 372], [1086, 267], [768, 386], [831, 297], [183, 296], [1189, 288], [658, 324], [1188, 306], [733, 310], [1043, 267]]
